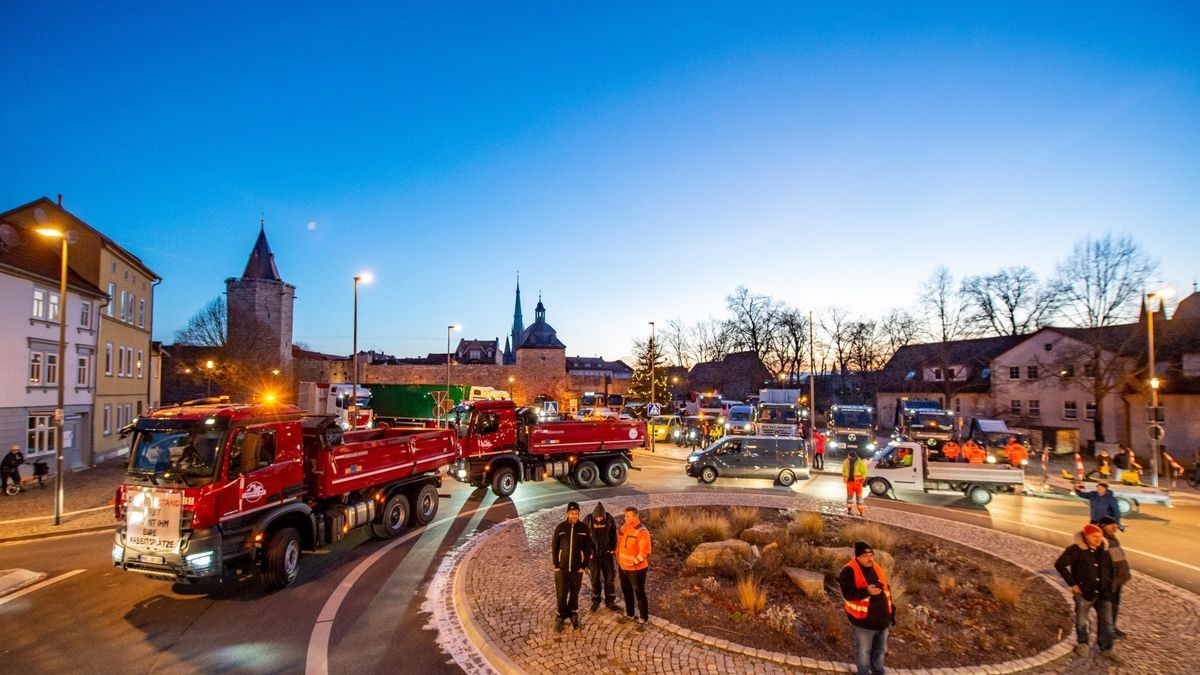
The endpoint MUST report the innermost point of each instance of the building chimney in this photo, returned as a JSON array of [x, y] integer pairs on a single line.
[[60, 200]]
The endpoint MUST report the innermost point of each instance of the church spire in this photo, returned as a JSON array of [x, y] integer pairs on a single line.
[[262, 262], [518, 328]]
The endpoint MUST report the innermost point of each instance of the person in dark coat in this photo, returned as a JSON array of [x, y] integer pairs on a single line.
[[602, 529], [1101, 502], [570, 551], [8, 468], [1121, 572], [867, 599], [1087, 567]]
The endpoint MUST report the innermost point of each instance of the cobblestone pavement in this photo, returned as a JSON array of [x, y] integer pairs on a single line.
[[87, 504], [495, 592]]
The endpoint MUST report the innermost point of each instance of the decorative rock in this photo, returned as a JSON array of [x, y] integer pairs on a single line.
[[708, 553], [762, 534], [841, 554], [811, 583]]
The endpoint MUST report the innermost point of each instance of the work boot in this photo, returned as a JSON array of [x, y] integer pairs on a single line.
[[641, 624], [1081, 649], [1119, 634], [575, 622], [595, 606], [558, 625], [612, 605], [624, 618], [1111, 656]]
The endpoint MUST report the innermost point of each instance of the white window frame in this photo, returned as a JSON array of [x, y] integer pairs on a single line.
[[1070, 410], [112, 299], [108, 358], [83, 371], [1031, 373], [85, 314], [52, 369], [1014, 406], [124, 302], [141, 312], [129, 362], [1014, 372], [1035, 407], [138, 364], [39, 303], [107, 419], [41, 435], [121, 361], [1089, 411], [37, 367]]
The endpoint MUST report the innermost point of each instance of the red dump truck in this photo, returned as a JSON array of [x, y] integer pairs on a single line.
[[502, 445], [216, 490]]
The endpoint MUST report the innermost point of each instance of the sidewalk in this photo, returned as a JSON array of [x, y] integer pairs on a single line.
[[87, 504]]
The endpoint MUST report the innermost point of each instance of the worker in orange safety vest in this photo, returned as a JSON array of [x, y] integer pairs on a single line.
[[867, 599], [951, 450], [973, 453], [1017, 454]]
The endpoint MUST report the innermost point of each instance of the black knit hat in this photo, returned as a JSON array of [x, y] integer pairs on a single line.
[[572, 506], [599, 510], [1106, 520], [861, 547]]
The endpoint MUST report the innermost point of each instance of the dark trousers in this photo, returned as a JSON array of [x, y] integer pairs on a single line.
[[603, 574], [819, 461], [566, 590], [1104, 622], [633, 585], [1116, 605], [6, 475]]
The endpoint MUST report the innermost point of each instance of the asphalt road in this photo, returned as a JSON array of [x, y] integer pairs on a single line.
[[101, 620]]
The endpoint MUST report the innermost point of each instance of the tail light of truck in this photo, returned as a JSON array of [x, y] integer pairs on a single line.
[[119, 503]]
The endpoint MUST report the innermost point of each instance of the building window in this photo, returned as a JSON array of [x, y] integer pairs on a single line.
[[1089, 370], [937, 373], [108, 359], [85, 314], [107, 419], [1031, 372], [54, 309], [142, 313], [958, 405], [1070, 410], [121, 361], [43, 435], [138, 364], [45, 305], [1014, 407], [124, 304], [1035, 407], [83, 370], [39, 303], [112, 299], [36, 359], [1090, 411], [129, 362], [51, 368], [1014, 372]]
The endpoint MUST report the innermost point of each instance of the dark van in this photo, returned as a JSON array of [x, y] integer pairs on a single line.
[[780, 459]]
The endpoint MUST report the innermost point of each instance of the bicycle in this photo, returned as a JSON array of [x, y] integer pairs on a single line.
[[19, 483]]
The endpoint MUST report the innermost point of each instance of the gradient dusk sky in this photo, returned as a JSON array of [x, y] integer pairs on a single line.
[[633, 161]]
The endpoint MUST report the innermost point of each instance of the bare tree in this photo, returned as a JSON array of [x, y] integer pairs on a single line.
[[793, 341], [241, 367], [753, 324], [674, 343], [899, 328], [944, 307], [836, 324], [865, 346], [1009, 302], [709, 340], [207, 328], [1101, 283]]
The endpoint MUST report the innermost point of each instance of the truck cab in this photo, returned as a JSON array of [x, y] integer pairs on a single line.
[[851, 428]]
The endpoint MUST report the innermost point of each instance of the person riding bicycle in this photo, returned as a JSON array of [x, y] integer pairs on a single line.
[[8, 468]]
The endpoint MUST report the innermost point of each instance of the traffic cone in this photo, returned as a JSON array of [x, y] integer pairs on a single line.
[[1079, 467]]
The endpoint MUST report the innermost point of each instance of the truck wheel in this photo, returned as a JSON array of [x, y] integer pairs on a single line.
[[615, 473], [878, 486], [979, 495], [1124, 506], [708, 475], [786, 478], [586, 474], [504, 481], [281, 561], [393, 519], [426, 505]]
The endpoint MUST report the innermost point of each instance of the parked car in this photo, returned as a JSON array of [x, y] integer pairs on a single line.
[[780, 459], [664, 428]]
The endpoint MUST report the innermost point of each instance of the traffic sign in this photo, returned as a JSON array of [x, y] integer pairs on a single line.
[[1156, 432], [551, 407], [653, 409]]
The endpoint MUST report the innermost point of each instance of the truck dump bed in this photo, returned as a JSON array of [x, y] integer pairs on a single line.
[[990, 473], [572, 437], [373, 457]]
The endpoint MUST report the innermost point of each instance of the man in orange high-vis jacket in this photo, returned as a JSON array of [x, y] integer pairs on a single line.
[[867, 600], [951, 450], [1018, 456], [973, 453], [633, 559], [854, 474]]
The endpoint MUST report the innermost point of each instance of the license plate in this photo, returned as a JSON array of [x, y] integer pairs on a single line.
[[152, 559]]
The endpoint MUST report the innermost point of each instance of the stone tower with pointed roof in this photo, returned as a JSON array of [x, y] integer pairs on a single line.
[[259, 310]]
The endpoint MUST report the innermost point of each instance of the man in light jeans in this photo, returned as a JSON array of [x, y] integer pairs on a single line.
[[868, 604]]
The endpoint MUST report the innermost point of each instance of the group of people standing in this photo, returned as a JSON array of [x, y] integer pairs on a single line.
[[597, 545]]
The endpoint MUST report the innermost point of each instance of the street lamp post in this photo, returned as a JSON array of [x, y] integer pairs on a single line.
[[451, 327], [1154, 383], [363, 277], [59, 411], [653, 358], [208, 368]]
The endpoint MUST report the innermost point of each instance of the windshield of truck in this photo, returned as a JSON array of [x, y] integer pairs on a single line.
[[942, 421], [709, 402], [852, 419], [770, 415], [460, 417], [740, 415], [177, 451]]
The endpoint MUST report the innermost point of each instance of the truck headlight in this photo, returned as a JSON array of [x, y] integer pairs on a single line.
[[833, 445], [200, 560], [871, 446], [118, 553], [461, 474]]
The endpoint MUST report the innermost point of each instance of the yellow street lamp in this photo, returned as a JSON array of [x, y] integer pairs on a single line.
[[208, 368], [59, 413]]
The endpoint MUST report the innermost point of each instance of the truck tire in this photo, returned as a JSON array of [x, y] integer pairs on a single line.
[[615, 473], [1125, 506], [586, 474], [393, 518], [281, 560], [504, 481], [878, 486], [786, 478], [708, 475], [979, 495], [425, 506]]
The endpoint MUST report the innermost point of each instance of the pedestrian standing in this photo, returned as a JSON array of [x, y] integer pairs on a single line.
[[8, 468], [633, 559], [854, 474], [1101, 502], [1087, 567], [571, 551], [602, 529], [867, 600], [1121, 572], [819, 452]]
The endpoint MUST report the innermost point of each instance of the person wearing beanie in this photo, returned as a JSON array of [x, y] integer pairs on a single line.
[[570, 551], [1087, 567], [1101, 502], [867, 599], [854, 474], [1121, 571], [602, 529]]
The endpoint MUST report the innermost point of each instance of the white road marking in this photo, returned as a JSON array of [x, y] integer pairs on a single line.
[[69, 513], [30, 589]]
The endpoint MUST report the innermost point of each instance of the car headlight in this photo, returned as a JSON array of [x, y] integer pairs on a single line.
[[746, 426], [692, 459], [1025, 462], [991, 459]]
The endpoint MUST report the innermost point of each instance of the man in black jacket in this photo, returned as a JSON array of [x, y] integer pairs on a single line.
[[603, 531], [570, 551], [867, 599], [8, 468], [1087, 567]]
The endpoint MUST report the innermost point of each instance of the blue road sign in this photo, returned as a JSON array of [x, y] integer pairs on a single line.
[[551, 407], [654, 409]]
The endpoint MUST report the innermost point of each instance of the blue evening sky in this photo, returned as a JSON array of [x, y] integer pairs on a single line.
[[634, 161]]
